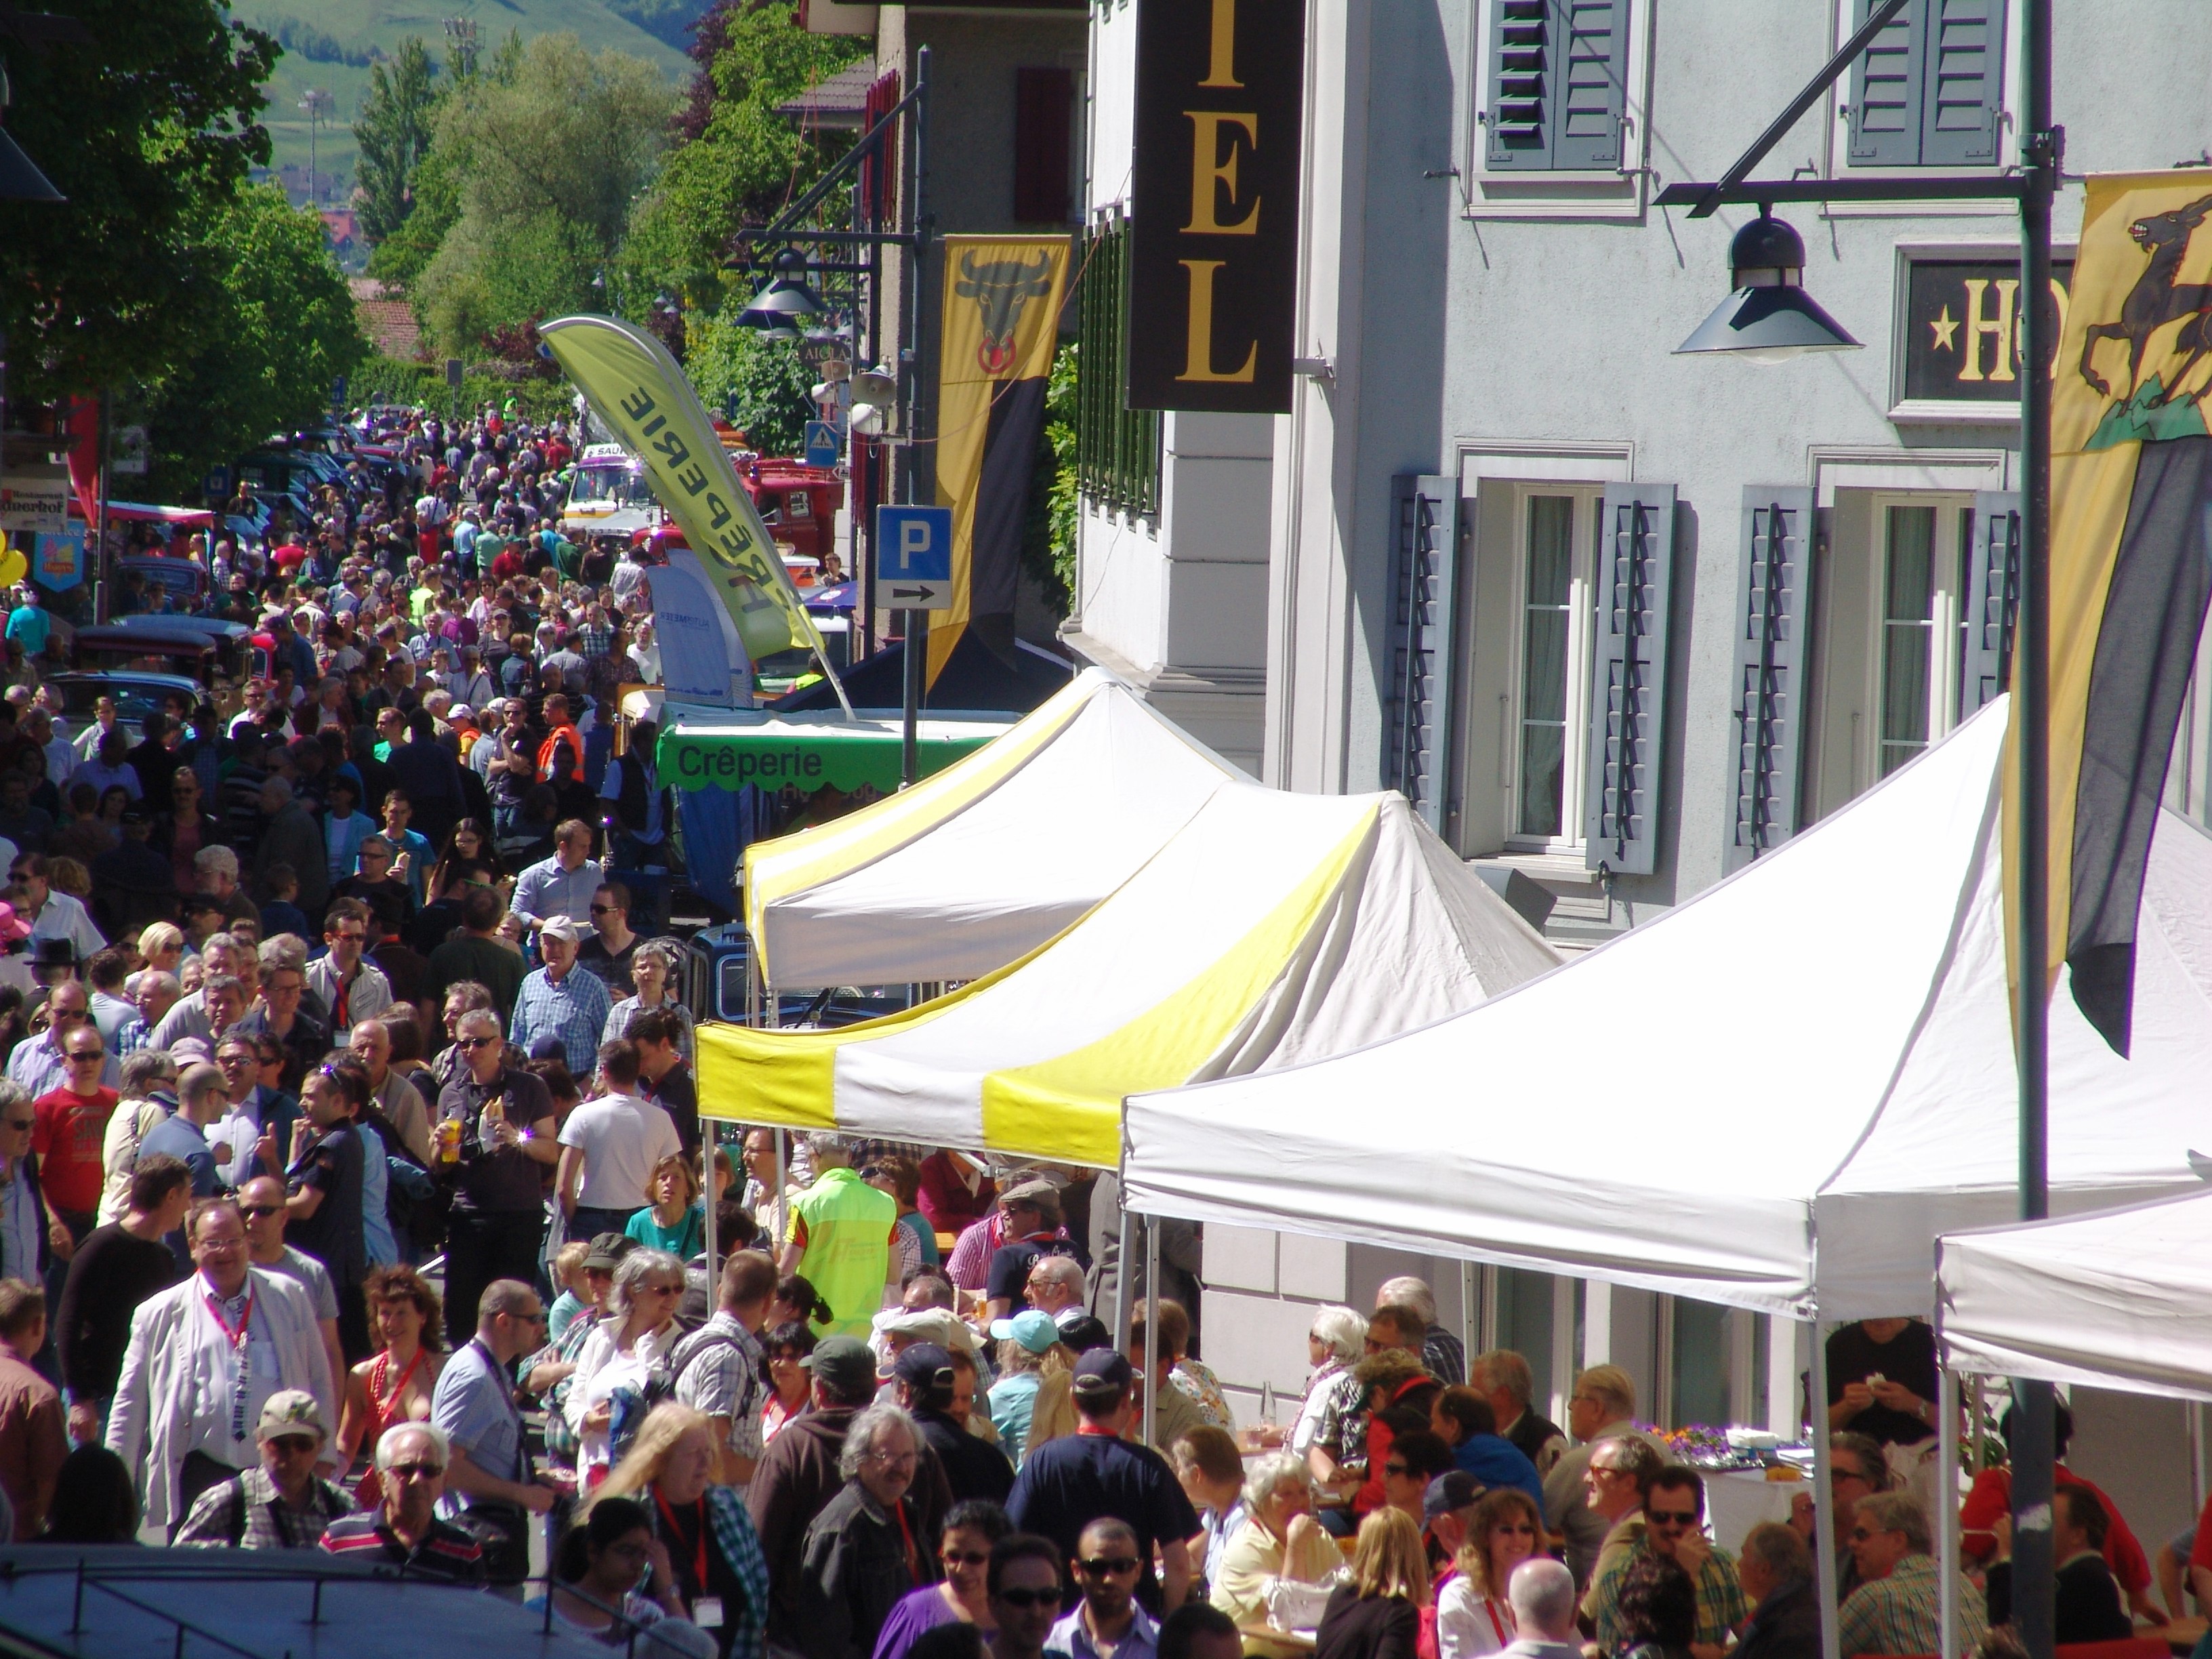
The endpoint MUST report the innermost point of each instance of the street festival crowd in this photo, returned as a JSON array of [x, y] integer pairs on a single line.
[[353, 1198]]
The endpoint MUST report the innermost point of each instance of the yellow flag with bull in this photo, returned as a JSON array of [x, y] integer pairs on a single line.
[[1000, 322], [2130, 564]]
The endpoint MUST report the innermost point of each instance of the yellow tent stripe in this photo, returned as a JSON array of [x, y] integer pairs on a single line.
[[1069, 1108], [752, 1074], [791, 864]]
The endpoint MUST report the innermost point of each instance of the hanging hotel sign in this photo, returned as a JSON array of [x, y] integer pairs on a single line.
[[1962, 332], [35, 500], [1214, 224]]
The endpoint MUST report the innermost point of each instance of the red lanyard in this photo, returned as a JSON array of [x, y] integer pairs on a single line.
[[675, 1533], [237, 1337], [906, 1537], [1490, 1606]]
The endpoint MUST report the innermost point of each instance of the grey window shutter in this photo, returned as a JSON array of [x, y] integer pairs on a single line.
[[1886, 82], [1559, 84], [1992, 598], [1962, 85], [1593, 83], [1770, 667], [1628, 685], [1425, 512], [1521, 62]]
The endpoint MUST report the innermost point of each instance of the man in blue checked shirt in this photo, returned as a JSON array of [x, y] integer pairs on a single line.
[[560, 1001], [562, 885]]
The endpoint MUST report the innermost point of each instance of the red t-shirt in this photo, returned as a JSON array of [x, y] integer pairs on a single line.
[[67, 1139], [289, 557]]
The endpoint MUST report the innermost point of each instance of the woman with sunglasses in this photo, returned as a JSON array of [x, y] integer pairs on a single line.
[[623, 1358], [789, 1387], [1472, 1616], [722, 1575], [965, 1548]]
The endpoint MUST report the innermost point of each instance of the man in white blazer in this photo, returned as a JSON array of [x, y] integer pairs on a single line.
[[204, 1358]]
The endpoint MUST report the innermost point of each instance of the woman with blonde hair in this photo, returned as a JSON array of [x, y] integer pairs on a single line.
[[1377, 1615], [161, 946], [710, 1540], [1472, 1615], [625, 1355], [1280, 1541], [675, 1221]]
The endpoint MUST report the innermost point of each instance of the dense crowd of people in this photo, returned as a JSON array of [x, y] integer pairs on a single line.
[[349, 1131]]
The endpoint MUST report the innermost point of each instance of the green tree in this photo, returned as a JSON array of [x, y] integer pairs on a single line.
[[393, 134], [549, 149], [276, 328], [147, 129], [743, 161], [771, 385]]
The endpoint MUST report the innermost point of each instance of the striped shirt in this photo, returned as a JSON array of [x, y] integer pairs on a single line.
[[445, 1552], [1720, 1604]]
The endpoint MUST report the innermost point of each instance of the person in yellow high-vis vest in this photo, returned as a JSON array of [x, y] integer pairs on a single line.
[[842, 1240]]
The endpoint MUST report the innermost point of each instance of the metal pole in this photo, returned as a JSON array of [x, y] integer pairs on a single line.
[[1824, 1501], [2035, 1457], [916, 630], [710, 1146], [1946, 1518], [102, 592], [1123, 1270], [1152, 1327]]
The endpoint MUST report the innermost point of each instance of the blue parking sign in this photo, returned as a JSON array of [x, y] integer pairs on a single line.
[[914, 558]]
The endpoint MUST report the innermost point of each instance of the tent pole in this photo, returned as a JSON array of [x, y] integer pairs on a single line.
[[1124, 1269], [2195, 1421], [1824, 1502], [712, 1145], [1470, 1322], [1946, 1519], [783, 1187], [1152, 1326]]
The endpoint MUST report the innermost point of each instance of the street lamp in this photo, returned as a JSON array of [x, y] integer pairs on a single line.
[[778, 309], [314, 101], [1769, 317]]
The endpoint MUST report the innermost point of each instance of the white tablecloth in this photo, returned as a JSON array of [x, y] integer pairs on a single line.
[[1737, 1500]]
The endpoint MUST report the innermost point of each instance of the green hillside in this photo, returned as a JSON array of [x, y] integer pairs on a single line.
[[332, 40]]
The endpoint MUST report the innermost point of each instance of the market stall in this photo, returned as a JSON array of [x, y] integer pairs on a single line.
[[988, 859], [1273, 928]]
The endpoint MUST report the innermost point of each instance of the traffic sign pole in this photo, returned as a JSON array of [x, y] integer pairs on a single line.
[[914, 574]]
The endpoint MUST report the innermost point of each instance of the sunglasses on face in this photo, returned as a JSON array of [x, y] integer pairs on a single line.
[[473, 1043], [254, 1211], [1023, 1600], [1671, 1517], [965, 1558], [86, 1056], [414, 1471], [1107, 1566]]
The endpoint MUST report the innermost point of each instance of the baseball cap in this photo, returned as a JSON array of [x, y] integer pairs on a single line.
[[1454, 1489], [1102, 1371], [607, 1250], [1032, 1328], [561, 928], [844, 1363], [291, 1411], [924, 1366]]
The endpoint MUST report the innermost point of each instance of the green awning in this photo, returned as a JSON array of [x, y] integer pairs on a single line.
[[713, 749]]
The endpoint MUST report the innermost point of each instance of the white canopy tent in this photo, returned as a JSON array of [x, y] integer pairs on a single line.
[[1814, 1078], [988, 859], [2121, 1299]]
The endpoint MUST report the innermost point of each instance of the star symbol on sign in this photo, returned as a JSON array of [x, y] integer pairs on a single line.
[[1943, 327]]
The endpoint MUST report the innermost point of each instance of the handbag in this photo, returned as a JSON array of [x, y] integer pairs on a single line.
[[502, 1533]]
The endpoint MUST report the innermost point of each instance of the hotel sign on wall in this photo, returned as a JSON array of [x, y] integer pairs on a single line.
[[1214, 217], [1959, 356]]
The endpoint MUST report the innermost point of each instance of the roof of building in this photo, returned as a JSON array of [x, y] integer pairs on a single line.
[[839, 101]]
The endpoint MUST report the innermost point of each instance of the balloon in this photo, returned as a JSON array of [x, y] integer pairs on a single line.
[[12, 567]]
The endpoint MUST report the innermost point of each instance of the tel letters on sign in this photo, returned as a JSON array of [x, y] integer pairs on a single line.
[[1214, 236]]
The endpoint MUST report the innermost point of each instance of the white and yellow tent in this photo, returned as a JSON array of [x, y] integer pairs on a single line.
[[1274, 929], [987, 859]]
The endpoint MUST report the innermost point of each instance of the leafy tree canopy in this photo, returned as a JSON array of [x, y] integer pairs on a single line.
[[393, 134]]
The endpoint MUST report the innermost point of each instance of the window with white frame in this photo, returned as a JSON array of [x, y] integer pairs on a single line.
[[1558, 532], [1894, 596]]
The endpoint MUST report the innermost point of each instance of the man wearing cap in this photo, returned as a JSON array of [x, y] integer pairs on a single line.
[[1068, 1483], [800, 1474], [204, 1356], [284, 1504], [842, 1238], [559, 1001], [1030, 1210], [973, 1467]]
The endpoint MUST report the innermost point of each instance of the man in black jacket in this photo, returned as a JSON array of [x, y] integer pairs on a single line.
[[1776, 1571], [973, 1468]]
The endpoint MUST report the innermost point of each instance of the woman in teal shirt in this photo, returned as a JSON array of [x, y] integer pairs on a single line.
[[675, 1221]]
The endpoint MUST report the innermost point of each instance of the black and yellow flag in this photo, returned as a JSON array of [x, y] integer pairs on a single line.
[[1001, 320], [2131, 562]]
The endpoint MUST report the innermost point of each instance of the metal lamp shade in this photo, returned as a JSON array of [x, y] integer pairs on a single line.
[[20, 178], [1769, 325]]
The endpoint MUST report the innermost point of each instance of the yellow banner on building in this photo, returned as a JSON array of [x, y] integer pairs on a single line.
[[2130, 565], [639, 390], [1000, 322]]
